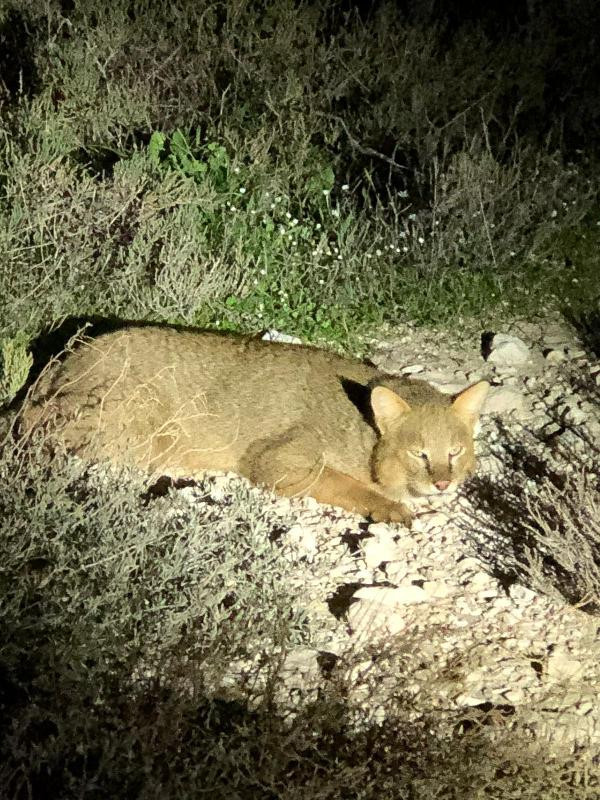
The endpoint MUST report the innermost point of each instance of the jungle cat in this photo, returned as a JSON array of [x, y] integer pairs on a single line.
[[297, 419]]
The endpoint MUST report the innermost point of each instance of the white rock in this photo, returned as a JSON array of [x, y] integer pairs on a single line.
[[397, 571], [585, 708], [273, 335], [368, 620], [438, 589], [573, 413], [555, 356], [378, 551], [301, 668], [412, 369], [521, 594], [514, 696], [481, 580], [561, 667], [469, 563], [449, 386], [489, 593], [471, 699], [405, 594], [504, 400], [507, 350], [436, 377]]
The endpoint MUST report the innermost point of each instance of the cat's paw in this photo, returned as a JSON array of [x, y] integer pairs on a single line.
[[391, 511]]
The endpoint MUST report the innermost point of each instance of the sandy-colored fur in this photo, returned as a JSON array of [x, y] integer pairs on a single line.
[[300, 420]]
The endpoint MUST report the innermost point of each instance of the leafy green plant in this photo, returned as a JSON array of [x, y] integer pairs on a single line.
[[199, 161]]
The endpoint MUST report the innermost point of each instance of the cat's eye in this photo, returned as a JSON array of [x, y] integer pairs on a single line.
[[456, 451], [421, 454]]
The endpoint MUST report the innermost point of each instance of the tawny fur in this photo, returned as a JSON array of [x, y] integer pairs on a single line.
[[300, 420]]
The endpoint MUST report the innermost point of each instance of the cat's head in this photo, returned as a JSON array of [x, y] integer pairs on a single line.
[[424, 449]]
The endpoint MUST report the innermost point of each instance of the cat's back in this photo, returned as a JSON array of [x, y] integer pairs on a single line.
[[153, 369], [142, 353]]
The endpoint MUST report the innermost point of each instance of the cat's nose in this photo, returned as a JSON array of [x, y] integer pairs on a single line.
[[442, 485]]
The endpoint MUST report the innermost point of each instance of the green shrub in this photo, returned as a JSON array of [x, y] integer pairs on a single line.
[[14, 367]]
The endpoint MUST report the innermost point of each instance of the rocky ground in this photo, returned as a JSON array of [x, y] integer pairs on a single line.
[[471, 603]]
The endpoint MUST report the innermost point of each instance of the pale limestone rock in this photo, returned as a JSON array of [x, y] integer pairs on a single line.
[[507, 350], [514, 696], [370, 620], [378, 551], [449, 386], [397, 571], [481, 580], [273, 335], [488, 593], [555, 356], [301, 668], [412, 369], [471, 699], [469, 563], [404, 594], [572, 412], [562, 667], [436, 519], [504, 400], [521, 594], [438, 589]]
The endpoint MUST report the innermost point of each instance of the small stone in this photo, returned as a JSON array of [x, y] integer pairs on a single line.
[[572, 412], [507, 350], [521, 594], [368, 620], [412, 369], [514, 696], [481, 580], [273, 335], [551, 430], [555, 356], [489, 593], [301, 668], [585, 708], [474, 376], [404, 594], [437, 589], [451, 387], [471, 699], [563, 668], [377, 551], [504, 400]]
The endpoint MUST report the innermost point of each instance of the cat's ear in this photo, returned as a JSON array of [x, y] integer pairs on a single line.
[[468, 404], [387, 407]]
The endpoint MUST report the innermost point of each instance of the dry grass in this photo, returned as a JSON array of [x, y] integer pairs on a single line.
[[122, 614]]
